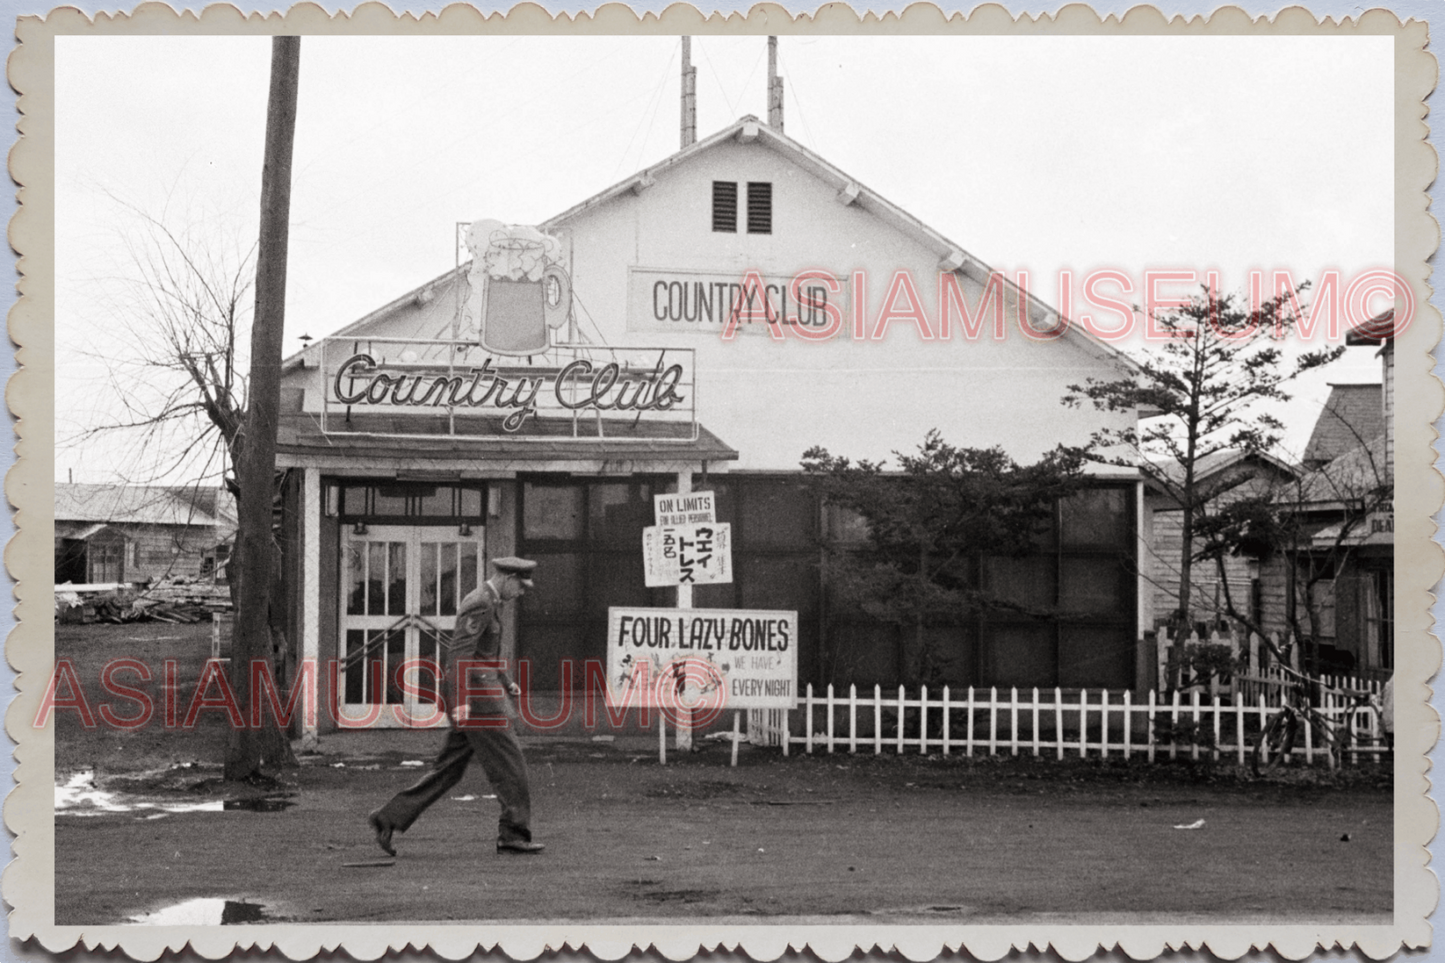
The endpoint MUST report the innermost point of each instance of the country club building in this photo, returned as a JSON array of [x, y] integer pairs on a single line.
[[532, 400]]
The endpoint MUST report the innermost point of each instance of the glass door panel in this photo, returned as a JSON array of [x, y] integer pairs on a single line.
[[401, 588]]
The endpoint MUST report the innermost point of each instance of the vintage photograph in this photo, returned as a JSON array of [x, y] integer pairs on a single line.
[[934, 480]]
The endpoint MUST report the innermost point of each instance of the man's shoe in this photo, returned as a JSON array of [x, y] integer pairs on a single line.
[[519, 846], [383, 833]]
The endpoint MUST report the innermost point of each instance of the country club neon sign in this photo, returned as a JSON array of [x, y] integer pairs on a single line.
[[364, 379]]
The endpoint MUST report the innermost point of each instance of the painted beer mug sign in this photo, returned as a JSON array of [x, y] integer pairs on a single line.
[[519, 290]]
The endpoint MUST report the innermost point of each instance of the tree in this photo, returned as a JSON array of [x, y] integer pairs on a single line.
[[172, 355], [926, 524], [1202, 389]]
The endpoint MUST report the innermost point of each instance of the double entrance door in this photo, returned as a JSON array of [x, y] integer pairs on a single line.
[[400, 588]]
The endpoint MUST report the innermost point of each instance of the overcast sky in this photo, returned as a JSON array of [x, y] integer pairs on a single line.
[[1034, 154]]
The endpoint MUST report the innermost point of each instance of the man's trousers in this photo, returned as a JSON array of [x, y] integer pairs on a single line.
[[501, 759]]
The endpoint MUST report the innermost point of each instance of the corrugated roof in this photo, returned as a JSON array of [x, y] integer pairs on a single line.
[[129, 505], [1354, 415]]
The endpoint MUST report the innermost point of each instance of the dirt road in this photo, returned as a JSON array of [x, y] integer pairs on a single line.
[[848, 838]]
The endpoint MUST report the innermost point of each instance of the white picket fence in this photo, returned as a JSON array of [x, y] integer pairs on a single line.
[[1259, 678], [1082, 724]]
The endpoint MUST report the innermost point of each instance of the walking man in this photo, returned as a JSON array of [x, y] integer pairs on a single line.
[[482, 727]]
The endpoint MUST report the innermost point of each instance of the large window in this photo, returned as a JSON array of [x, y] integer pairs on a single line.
[[586, 536], [1067, 618]]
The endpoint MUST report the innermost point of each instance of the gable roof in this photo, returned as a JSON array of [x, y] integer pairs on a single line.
[[1213, 467], [135, 505], [1353, 415], [749, 129]]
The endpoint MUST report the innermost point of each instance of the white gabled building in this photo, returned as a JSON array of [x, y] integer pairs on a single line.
[[396, 500]]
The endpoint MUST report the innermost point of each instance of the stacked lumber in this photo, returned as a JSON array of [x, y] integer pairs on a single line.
[[177, 602]]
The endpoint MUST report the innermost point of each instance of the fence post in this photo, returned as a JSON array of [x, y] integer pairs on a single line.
[[1218, 729], [968, 730], [1059, 721], [1103, 723], [1083, 723], [1128, 725], [1036, 722], [1013, 721], [923, 720], [1174, 727], [787, 731], [1239, 727], [946, 720], [993, 720], [1194, 747], [830, 718], [902, 707], [808, 719], [1149, 734], [853, 718], [877, 719]]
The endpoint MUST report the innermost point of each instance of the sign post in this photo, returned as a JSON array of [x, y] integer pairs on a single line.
[[686, 547]]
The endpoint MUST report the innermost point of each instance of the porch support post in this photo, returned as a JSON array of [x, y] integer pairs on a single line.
[[684, 601], [311, 604]]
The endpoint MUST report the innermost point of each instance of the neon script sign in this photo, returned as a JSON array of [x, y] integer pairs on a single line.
[[363, 379]]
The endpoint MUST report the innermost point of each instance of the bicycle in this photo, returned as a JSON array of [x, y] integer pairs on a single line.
[[1277, 740]]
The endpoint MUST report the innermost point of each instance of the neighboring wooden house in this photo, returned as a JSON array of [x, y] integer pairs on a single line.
[[1342, 578], [133, 533], [1233, 474]]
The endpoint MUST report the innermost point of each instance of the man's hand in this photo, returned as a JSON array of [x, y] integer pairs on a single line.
[[514, 689]]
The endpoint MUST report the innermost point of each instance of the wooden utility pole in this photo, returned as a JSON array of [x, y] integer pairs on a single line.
[[253, 748]]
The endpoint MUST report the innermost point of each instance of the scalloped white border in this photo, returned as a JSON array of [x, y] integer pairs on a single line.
[[28, 881]]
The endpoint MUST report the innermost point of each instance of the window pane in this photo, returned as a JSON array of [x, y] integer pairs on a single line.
[[777, 514], [617, 579], [620, 510], [779, 583], [551, 511], [435, 501], [1096, 656], [560, 589], [1097, 516], [353, 500], [1020, 655], [863, 653], [355, 577], [375, 578], [1093, 586], [427, 578], [546, 647], [950, 657], [1027, 582], [390, 500], [396, 594], [471, 502], [467, 578]]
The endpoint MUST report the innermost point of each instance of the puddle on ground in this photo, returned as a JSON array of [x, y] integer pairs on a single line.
[[267, 804], [79, 796], [204, 912]]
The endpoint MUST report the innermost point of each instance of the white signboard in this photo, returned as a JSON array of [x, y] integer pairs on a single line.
[[687, 554], [689, 509], [703, 660], [677, 300]]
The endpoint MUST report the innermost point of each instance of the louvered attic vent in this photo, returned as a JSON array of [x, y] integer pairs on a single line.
[[760, 207], [725, 206]]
